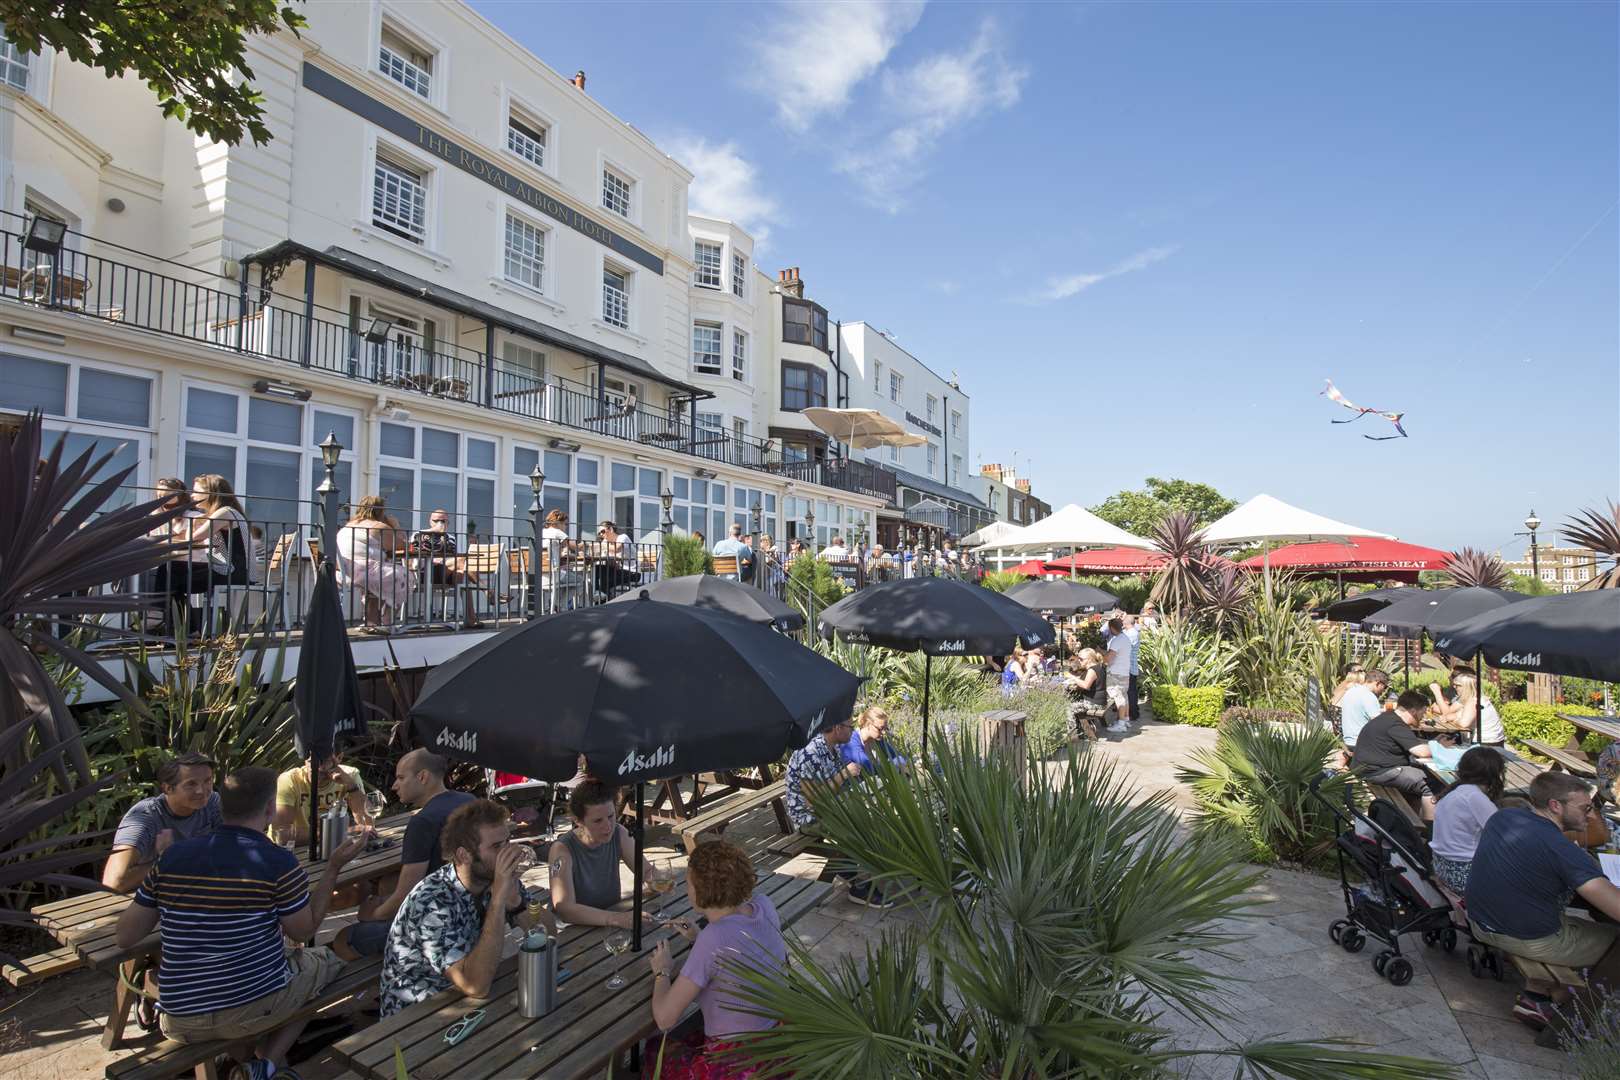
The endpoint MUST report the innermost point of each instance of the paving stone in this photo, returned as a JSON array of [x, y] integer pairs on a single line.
[[1508, 1040]]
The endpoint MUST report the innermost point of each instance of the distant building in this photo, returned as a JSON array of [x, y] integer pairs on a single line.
[[1563, 568], [1008, 496]]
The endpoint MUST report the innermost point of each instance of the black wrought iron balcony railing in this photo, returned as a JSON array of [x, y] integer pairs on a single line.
[[97, 279]]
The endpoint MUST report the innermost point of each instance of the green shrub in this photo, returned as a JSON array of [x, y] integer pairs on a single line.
[[812, 587], [1523, 720], [1242, 714], [1183, 653], [1199, 706], [685, 556], [1001, 580]]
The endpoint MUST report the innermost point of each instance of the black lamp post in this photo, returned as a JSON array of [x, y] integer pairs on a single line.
[[667, 499], [331, 451], [537, 484], [1533, 523], [810, 527]]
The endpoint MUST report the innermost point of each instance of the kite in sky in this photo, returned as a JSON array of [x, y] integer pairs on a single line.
[[1333, 394]]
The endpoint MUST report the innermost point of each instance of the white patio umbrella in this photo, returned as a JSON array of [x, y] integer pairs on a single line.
[[1073, 527], [862, 428], [991, 535], [1264, 518]]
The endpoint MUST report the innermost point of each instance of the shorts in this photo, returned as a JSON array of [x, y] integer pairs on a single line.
[[1453, 873], [368, 936], [1119, 695], [1579, 943], [309, 971], [1407, 779]]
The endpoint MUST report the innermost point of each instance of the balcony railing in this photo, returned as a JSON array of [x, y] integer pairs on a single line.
[[101, 280]]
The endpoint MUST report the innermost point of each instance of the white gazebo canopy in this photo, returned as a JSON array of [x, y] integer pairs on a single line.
[[991, 535], [1071, 528], [1264, 518]]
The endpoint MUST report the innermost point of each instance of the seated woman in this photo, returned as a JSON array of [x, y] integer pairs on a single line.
[[1086, 682], [368, 550], [585, 861], [1458, 714], [1460, 817], [871, 736], [743, 929]]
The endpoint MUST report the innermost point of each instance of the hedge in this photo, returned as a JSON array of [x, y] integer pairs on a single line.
[[1199, 706], [1523, 720]]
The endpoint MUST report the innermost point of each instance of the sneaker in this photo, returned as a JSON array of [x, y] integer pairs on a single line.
[[866, 894], [1119, 727], [1535, 1010]]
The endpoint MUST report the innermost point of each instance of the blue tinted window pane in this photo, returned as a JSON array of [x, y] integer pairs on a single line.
[[338, 425], [719, 528], [438, 493], [739, 498], [586, 471], [124, 455], [624, 477], [679, 514], [201, 458], [441, 448], [480, 506], [681, 488], [270, 489], [700, 491], [275, 421], [646, 519], [559, 468], [717, 494], [117, 399], [27, 383], [210, 411], [556, 498], [585, 518], [650, 480], [480, 454], [523, 460], [398, 489], [397, 441], [770, 504]]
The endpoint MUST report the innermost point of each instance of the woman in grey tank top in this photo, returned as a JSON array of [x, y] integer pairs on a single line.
[[585, 861]]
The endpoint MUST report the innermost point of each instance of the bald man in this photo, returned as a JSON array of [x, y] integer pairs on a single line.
[[419, 782]]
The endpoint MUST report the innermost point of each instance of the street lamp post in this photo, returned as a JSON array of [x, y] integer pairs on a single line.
[[1532, 523], [666, 499], [810, 528], [331, 451], [537, 484]]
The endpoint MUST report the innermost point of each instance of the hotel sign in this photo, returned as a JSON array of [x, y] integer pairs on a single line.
[[917, 421], [335, 90]]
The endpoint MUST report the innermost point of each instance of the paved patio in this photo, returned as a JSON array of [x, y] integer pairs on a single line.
[[1288, 979]]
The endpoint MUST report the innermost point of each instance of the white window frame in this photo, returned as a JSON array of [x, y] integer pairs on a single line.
[[12, 60], [877, 376], [897, 386], [739, 274], [718, 367], [412, 201], [739, 356], [513, 105], [434, 177], [605, 165], [956, 424], [412, 32], [544, 286], [463, 470], [719, 268], [628, 326], [932, 458], [931, 406]]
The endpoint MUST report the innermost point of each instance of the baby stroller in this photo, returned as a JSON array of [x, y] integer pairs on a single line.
[[1399, 894]]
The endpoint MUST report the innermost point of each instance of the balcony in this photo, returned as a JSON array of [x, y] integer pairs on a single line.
[[95, 279]]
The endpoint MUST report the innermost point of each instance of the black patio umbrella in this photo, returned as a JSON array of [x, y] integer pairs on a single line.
[[720, 594], [935, 616], [643, 690], [1061, 597], [1363, 605], [1574, 634], [1435, 610], [327, 692]]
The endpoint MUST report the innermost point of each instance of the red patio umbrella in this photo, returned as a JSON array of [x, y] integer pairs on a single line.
[[1366, 559], [1031, 568], [1115, 560]]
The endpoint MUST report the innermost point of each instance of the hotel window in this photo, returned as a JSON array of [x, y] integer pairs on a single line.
[[933, 459], [615, 193], [739, 356], [894, 455], [399, 200], [931, 405], [896, 385], [572, 483], [877, 376], [706, 257], [739, 429], [803, 387], [13, 63], [956, 470], [408, 64], [804, 323], [525, 253], [615, 297], [739, 273], [706, 348], [956, 424], [527, 140]]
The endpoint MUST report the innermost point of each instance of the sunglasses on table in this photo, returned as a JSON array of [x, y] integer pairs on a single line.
[[463, 1027]]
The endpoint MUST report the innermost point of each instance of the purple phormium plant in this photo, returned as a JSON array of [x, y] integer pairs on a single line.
[[1180, 585], [1472, 567], [1599, 532]]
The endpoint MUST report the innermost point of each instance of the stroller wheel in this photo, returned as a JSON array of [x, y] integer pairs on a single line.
[[1448, 939], [1337, 928], [1399, 971], [1380, 960], [1493, 963], [1352, 940], [1476, 965], [1431, 938]]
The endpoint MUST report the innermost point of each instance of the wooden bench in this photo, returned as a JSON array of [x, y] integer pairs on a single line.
[[1566, 760], [1399, 801], [165, 1059], [724, 812], [58, 961]]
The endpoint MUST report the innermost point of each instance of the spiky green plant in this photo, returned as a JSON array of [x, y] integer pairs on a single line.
[[956, 684], [1255, 782], [1180, 585], [1599, 532], [685, 556], [1279, 648], [1056, 915], [1472, 567], [1183, 653], [1226, 596], [1002, 580]]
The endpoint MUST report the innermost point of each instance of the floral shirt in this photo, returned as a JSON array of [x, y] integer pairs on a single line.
[[815, 762], [437, 925]]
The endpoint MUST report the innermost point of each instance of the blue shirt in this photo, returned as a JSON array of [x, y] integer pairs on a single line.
[[1358, 706], [1135, 637], [814, 763], [220, 900], [1524, 872], [855, 750], [733, 546]]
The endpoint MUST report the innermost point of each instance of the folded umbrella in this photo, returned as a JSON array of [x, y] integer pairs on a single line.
[[720, 594], [326, 694]]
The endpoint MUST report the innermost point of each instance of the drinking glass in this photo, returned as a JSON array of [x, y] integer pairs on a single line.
[[556, 872], [376, 804], [526, 860], [662, 883], [617, 943]]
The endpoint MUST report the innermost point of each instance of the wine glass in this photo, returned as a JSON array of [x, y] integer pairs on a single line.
[[662, 882], [617, 943], [556, 872], [376, 804]]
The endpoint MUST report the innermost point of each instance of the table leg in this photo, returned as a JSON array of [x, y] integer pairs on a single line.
[[123, 1000]]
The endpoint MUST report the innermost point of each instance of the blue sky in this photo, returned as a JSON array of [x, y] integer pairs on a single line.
[[1144, 234]]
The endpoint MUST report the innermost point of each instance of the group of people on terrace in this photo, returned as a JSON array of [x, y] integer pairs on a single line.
[[762, 556]]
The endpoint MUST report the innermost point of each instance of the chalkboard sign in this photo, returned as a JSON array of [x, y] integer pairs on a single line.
[[1314, 716]]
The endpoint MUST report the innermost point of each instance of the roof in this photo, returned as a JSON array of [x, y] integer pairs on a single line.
[[934, 487], [371, 270]]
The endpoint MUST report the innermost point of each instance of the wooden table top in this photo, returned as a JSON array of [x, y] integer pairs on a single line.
[[1602, 725], [1519, 772], [589, 1024], [88, 923]]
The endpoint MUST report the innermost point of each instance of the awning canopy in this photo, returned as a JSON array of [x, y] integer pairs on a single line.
[[1072, 527], [1114, 560], [1266, 518], [862, 429], [991, 535], [1368, 557]]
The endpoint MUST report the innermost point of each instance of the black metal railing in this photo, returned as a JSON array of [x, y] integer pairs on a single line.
[[102, 280]]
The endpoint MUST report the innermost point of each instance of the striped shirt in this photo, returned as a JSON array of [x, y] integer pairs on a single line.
[[220, 900]]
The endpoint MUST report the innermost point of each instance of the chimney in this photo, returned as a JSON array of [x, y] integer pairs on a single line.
[[579, 79], [992, 471], [1023, 485], [788, 281]]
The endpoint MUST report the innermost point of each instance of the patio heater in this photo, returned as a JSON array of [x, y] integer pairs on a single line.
[[537, 484], [331, 450]]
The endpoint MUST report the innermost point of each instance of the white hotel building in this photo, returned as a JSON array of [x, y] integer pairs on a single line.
[[449, 255]]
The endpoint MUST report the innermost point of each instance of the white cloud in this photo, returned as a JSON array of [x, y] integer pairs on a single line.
[[923, 103], [1061, 288], [725, 185], [815, 54]]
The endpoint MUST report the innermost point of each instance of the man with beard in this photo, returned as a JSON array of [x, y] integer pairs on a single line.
[[450, 929]]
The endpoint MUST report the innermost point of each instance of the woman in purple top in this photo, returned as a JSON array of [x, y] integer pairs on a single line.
[[743, 929]]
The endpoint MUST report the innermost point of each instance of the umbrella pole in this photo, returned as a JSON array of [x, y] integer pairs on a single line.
[[1479, 701], [1266, 548], [314, 810], [928, 678], [641, 840]]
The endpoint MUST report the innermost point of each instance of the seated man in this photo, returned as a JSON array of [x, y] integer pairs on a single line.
[[1361, 702], [1386, 746], [835, 551], [188, 807], [734, 545], [419, 782], [816, 769], [1524, 873], [292, 795], [221, 903], [450, 930]]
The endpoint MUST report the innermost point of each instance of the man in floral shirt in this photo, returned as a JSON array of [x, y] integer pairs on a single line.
[[814, 769], [443, 935]]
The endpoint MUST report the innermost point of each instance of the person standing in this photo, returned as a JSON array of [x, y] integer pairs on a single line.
[[1118, 661], [1134, 634], [734, 546]]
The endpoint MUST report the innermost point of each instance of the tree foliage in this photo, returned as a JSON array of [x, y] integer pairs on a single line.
[[685, 556], [192, 54], [1140, 511]]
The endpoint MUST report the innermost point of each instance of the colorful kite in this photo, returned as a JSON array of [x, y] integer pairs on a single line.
[[1332, 393]]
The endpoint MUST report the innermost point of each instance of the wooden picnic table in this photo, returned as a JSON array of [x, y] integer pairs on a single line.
[[1608, 726], [669, 807], [1519, 771], [590, 1025], [88, 924]]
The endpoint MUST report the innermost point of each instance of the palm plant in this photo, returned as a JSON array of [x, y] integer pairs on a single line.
[[1001, 580], [956, 684], [1472, 567], [1057, 917], [1180, 585], [1183, 653], [1278, 648], [1598, 532], [1227, 596], [59, 543], [1256, 782]]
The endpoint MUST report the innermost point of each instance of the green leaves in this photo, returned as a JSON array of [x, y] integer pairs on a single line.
[[685, 556], [1139, 511], [192, 54]]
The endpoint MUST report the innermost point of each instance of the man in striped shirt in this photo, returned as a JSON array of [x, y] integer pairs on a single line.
[[222, 903]]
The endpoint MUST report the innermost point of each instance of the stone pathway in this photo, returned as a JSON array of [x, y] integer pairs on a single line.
[[1288, 980]]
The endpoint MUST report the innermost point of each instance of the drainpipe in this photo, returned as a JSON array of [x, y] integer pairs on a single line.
[[489, 365], [309, 308], [241, 304]]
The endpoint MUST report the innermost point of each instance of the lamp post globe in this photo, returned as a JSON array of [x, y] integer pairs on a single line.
[[1533, 523]]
